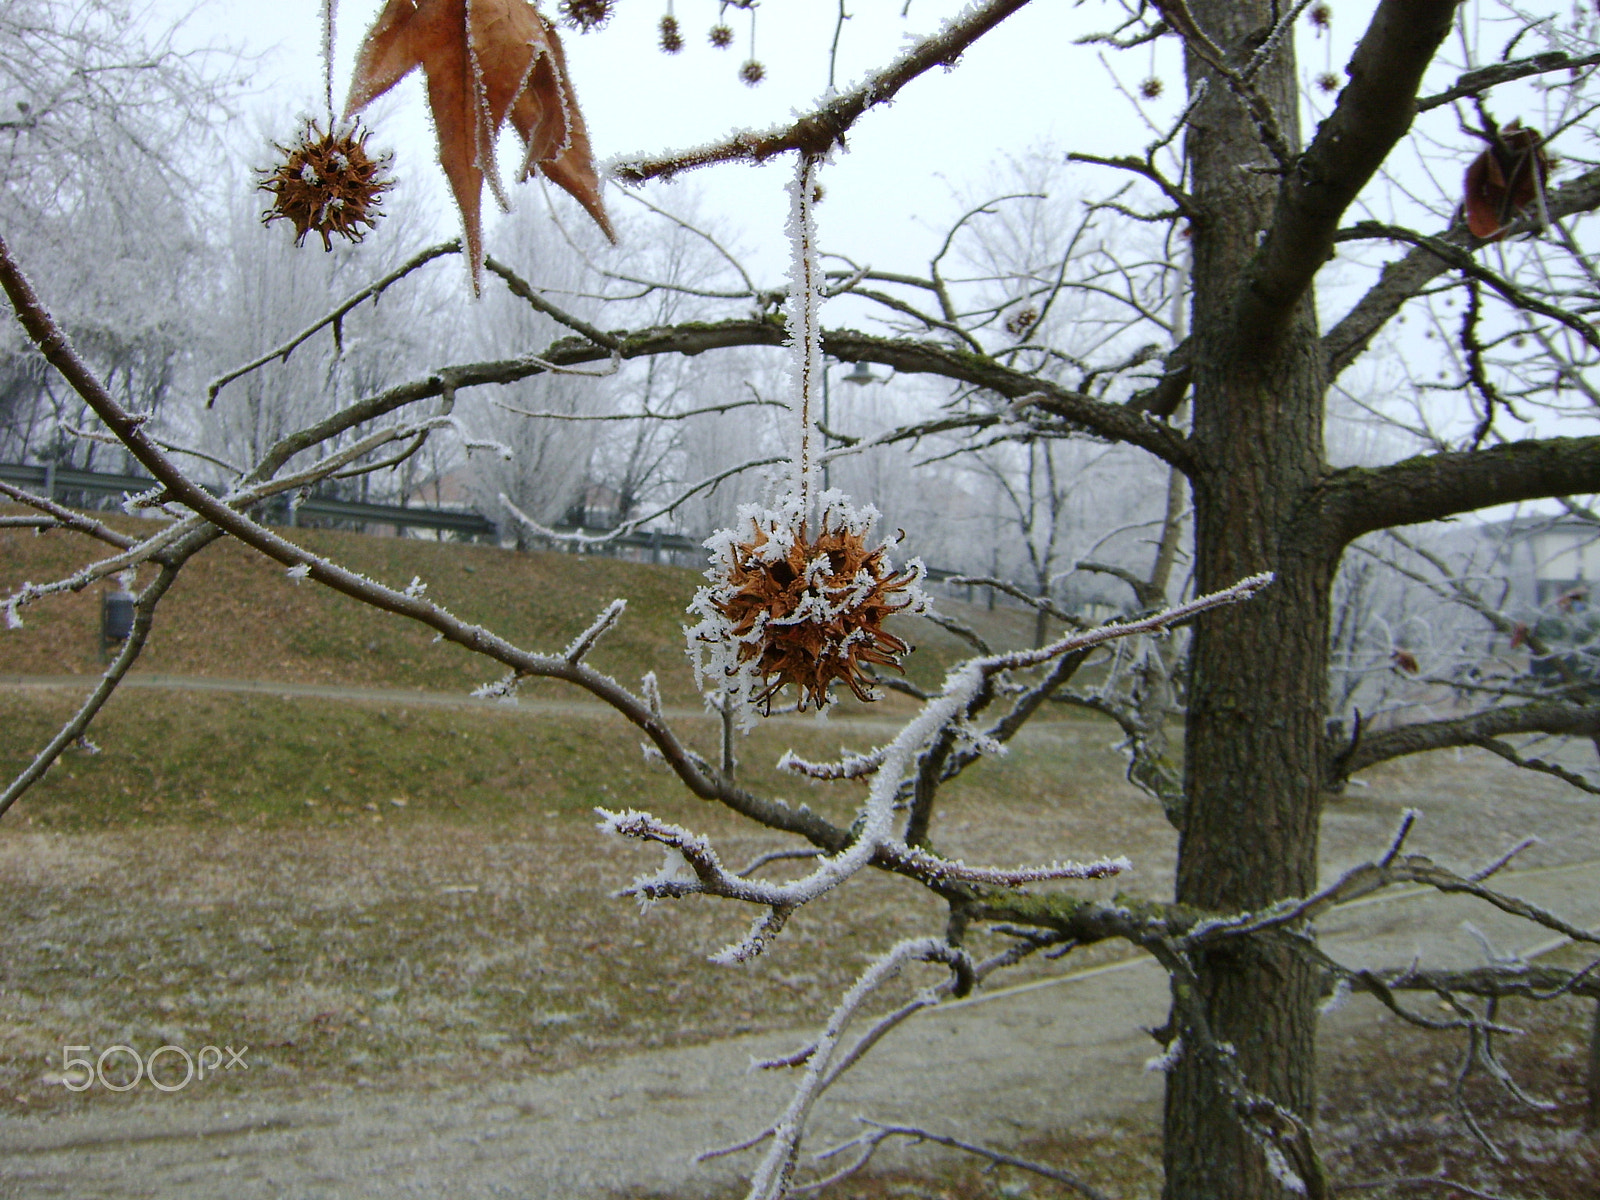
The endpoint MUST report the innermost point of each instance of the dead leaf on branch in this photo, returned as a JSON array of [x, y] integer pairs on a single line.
[[485, 61], [1504, 180]]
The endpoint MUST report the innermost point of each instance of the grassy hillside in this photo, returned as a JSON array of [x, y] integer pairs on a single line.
[[197, 757], [235, 615]]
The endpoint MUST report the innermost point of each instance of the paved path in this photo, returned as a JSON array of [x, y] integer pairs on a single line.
[[993, 1068], [321, 691]]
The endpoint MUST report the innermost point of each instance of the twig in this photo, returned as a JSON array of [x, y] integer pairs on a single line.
[[68, 519], [143, 618], [627, 527], [823, 128], [883, 1132], [372, 290]]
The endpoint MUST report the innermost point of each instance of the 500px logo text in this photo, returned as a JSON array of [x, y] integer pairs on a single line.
[[122, 1068]]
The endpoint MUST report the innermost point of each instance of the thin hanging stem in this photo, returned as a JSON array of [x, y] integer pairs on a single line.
[[328, 10], [805, 326]]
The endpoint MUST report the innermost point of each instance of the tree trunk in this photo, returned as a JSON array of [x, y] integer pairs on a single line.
[[1257, 688]]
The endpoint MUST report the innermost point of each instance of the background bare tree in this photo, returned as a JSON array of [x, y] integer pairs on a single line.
[[103, 123]]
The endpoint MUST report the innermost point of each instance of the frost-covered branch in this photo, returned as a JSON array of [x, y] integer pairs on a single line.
[[694, 867], [772, 1177], [335, 318], [627, 527], [866, 1144], [819, 131], [62, 517], [78, 724]]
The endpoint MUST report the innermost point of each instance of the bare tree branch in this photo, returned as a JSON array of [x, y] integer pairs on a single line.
[[1475, 83], [1409, 275], [1358, 500], [820, 130], [1372, 114], [372, 290]]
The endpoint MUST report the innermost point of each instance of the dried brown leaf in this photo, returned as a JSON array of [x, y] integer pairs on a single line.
[[484, 60]]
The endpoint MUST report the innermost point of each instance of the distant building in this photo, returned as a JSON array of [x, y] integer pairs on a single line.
[[1547, 558]]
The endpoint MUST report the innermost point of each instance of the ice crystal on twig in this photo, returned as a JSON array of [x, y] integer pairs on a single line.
[[503, 689], [598, 628]]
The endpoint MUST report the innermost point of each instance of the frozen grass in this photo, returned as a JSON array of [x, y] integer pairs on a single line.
[[238, 871]]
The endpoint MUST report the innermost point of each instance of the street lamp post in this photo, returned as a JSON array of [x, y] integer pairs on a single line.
[[860, 375]]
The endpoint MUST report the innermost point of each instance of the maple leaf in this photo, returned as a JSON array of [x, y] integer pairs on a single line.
[[485, 61], [1504, 180]]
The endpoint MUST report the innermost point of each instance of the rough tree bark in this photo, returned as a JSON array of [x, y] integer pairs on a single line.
[[1256, 717]]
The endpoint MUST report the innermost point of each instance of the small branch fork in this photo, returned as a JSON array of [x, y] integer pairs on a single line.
[[866, 1144], [693, 866], [824, 1066]]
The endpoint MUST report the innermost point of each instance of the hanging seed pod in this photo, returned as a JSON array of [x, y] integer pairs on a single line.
[[671, 37], [586, 16], [721, 36], [786, 608], [1021, 321], [327, 182], [752, 73]]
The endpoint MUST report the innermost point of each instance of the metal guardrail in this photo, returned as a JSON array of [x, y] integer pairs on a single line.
[[56, 482], [53, 482]]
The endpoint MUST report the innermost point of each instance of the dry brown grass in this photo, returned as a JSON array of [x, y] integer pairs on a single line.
[[233, 614], [179, 888]]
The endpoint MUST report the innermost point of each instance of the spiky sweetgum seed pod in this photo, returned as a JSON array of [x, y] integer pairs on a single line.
[[1328, 82], [1022, 320], [1321, 15], [721, 36], [752, 73], [813, 615], [1152, 87], [586, 15], [671, 38], [327, 182]]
